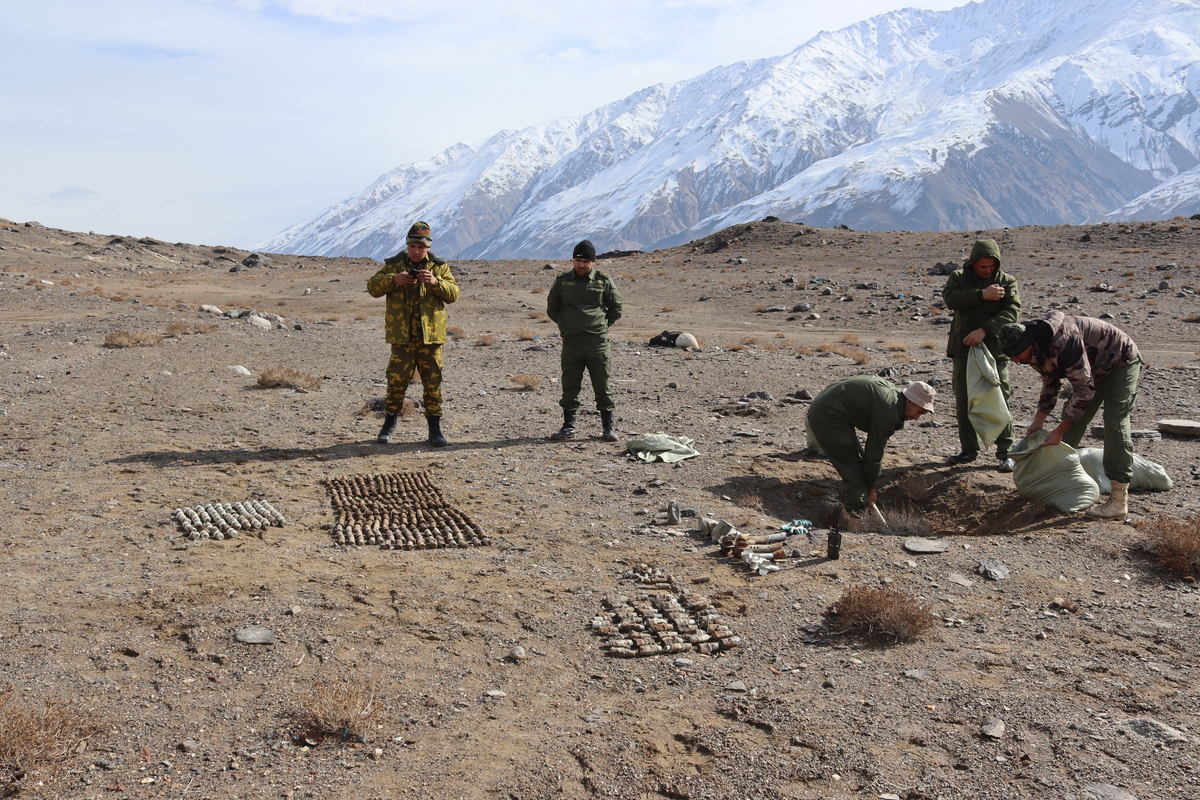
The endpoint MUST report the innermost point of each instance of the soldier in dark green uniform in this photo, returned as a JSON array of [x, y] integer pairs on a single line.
[[584, 302], [418, 285], [983, 299], [863, 403]]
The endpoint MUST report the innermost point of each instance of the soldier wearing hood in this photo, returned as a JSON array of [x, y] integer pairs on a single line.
[[983, 300]]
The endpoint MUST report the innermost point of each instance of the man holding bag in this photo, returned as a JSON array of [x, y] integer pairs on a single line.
[[983, 299], [1102, 364]]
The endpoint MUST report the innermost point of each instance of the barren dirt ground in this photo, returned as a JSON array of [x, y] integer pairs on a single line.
[[109, 606]]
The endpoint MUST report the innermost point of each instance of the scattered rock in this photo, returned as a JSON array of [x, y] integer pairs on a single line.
[[255, 634], [992, 569], [916, 544], [992, 728], [1179, 427]]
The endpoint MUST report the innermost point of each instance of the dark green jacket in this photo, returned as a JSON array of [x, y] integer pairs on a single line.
[[428, 301], [963, 294], [869, 403], [585, 305]]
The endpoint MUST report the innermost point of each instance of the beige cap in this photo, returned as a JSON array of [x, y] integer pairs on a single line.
[[922, 394]]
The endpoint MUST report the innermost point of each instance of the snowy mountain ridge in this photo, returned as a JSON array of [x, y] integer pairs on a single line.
[[997, 113]]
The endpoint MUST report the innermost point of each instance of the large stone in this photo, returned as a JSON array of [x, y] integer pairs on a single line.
[[255, 634], [916, 544], [1179, 427]]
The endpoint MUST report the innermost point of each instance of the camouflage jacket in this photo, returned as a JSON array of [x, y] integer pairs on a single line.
[[963, 294], [583, 305], [403, 302], [1083, 350]]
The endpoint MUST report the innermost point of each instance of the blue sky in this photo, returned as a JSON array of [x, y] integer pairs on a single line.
[[226, 121]]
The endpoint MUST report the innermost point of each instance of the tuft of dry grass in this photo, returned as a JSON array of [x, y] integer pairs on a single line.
[[33, 739], [136, 339], [668, 309], [351, 709], [855, 354], [526, 335], [749, 341], [288, 378], [896, 347], [929, 345], [1192, 318], [880, 614], [849, 338], [485, 340], [455, 331], [207, 327], [802, 350], [537, 290], [526, 381], [176, 329], [1175, 543]]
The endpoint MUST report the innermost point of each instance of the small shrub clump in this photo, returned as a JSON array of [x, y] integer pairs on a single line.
[[485, 340], [526, 335], [526, 381], [34, 738], [350, 710], [880, 614], [288, 378], [1175, 543]]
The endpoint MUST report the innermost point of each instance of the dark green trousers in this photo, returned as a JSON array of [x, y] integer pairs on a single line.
[[968, 440], [839, 441], [1117, 393], [406, 359], [590, 353]]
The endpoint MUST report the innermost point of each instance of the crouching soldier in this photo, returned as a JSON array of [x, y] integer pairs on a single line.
[[863, 403], [1102, 365]]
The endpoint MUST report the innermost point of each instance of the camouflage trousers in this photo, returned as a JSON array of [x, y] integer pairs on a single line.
[[1117, 393], [590, 353], [425, 359]]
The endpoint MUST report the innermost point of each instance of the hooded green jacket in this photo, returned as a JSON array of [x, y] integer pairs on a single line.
[[963, 294], [401, 300]]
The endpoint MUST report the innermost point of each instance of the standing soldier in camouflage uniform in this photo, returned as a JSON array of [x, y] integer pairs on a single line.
[[983, 299], [584, 302], [418, 284], [1102, 365], [863, 403]]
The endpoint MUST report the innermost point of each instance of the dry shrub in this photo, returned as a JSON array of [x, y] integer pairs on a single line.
[[35, 738], [1192, 318], [929, 345], [537, 290], [849, 338], [880, 614], [485, 340], [455, 331], [351, 709], [206, 328], [896, 347], [177, 329], [526, 381], [526, 335], [668, 309], [802, 350], [749, 341], [135, 339], [288, 378], [855, 354], [1175, 543]]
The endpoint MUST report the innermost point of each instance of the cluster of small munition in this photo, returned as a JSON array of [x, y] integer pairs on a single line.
[[758, 551], [670, 620], [226, 520], [398, 511]]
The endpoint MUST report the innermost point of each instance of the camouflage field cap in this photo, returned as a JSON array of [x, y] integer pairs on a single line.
[[1014, 338], [419, 233]]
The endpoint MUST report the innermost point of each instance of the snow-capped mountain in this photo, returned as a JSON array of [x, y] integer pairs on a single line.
[[997, 113]]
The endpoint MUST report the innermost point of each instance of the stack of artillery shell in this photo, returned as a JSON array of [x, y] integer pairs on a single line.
[[398, 511], [226, 520], [651, 624]]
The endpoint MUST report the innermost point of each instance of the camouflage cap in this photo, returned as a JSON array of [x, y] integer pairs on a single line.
[[1014, 338], [419, 233]]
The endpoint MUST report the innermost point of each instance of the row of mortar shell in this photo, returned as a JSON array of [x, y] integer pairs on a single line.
[[655, 624], [222, 520]]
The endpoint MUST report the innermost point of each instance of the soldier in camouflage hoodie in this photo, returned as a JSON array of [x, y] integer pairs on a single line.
[[1102, 365]]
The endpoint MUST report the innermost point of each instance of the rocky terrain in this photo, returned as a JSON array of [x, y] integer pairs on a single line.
[[1072, 677]]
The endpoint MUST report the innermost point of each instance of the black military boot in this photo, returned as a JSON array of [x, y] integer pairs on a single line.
[[567, 431], [435, 432], [606, 419], [389, 425]]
